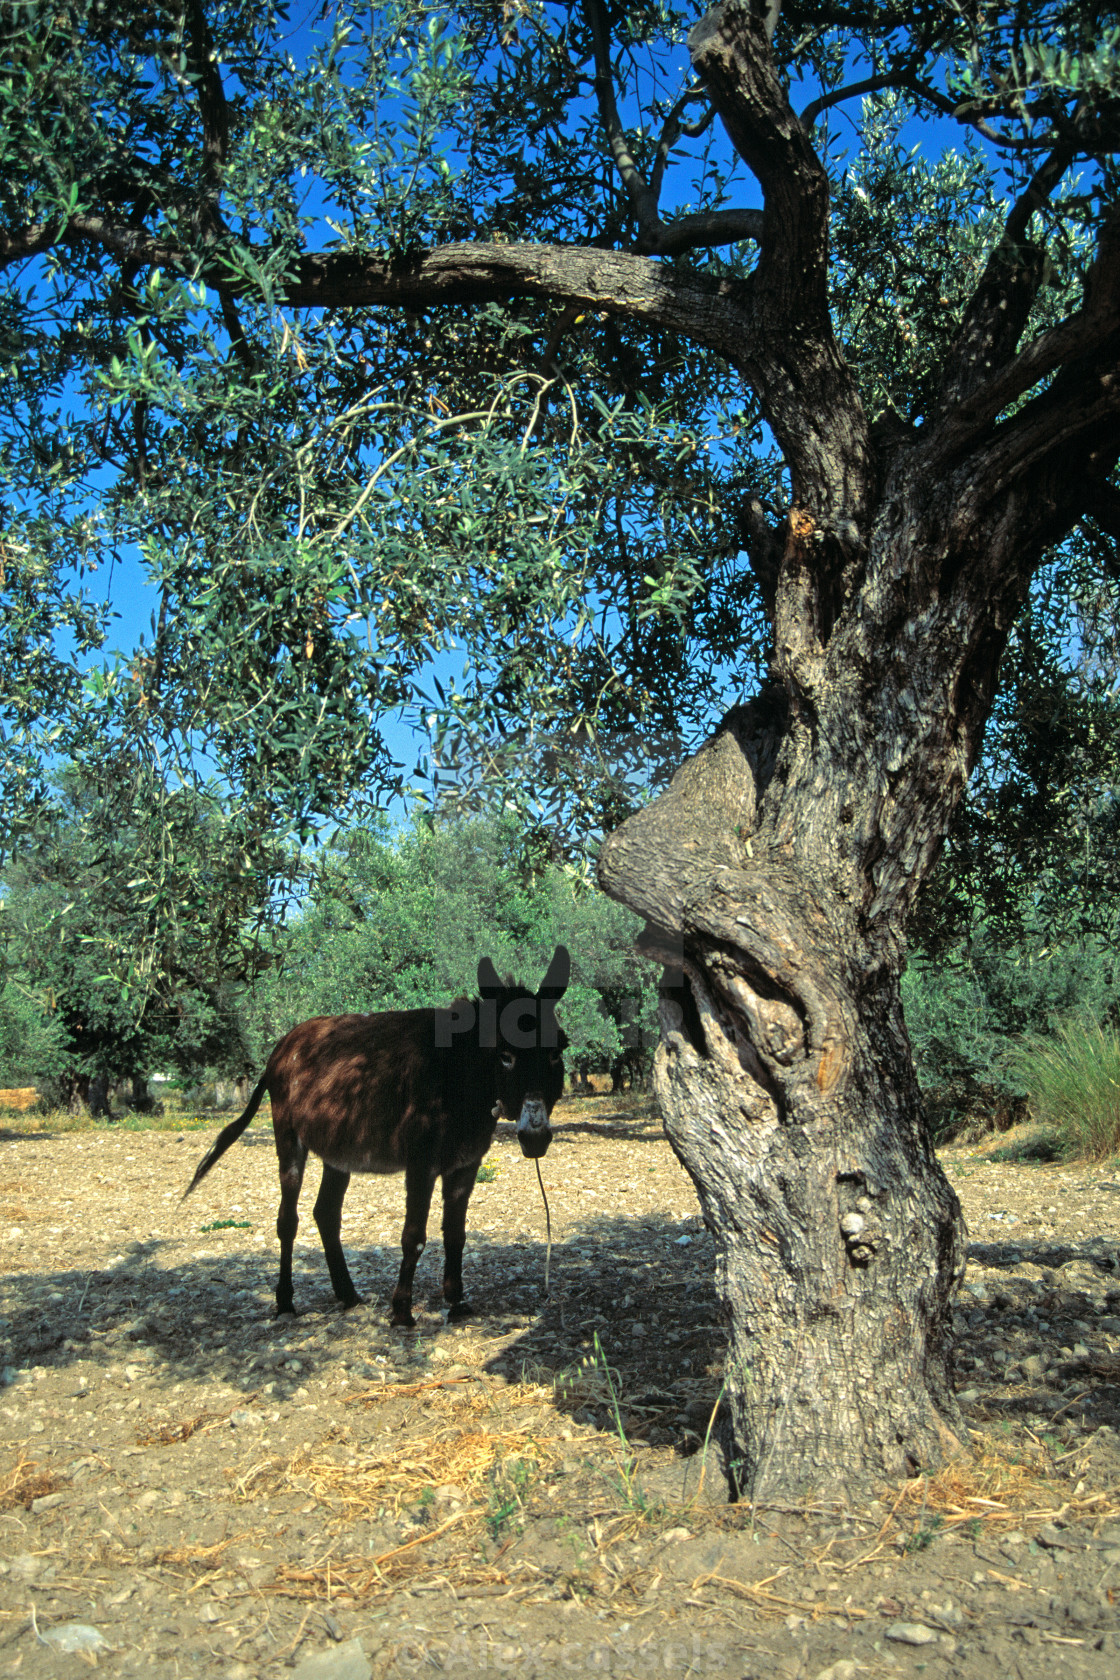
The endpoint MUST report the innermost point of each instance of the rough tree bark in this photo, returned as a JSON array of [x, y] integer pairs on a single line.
[[777, 871]]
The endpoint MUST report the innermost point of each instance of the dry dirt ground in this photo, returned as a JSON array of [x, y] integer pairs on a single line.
[[189, 1486]]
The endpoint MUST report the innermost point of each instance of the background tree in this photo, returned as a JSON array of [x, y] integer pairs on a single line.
[[1016, 927], [132, 926], [465, 328], [399, 921]]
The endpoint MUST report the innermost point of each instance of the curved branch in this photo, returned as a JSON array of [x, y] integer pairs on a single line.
[[702, 229], [28, 242], [671, 130], [803, 385], [711, 311], [852, 90], [986, 376], [643, 201]]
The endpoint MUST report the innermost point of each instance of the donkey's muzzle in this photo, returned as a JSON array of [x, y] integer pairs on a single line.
[[534, 1133]]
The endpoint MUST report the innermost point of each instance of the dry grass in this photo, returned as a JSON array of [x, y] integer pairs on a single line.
[[25, 1482], [1004, 1485], [200, 1556], [17, 1099], [155, 1434], [467, 1479]]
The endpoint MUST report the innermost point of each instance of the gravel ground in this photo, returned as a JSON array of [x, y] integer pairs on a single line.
[[189, 1486]]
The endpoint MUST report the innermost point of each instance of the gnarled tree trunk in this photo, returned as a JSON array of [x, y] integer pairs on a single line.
[[785, 1079]]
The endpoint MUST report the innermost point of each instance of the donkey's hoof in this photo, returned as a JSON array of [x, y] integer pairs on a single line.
[[286, 1312], [352, 1300], [402, 1321], [458, 1310]]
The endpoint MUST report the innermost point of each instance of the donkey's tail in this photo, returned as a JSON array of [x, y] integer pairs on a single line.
[[229, 1134]]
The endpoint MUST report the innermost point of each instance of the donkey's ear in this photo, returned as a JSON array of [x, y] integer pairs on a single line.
[[488, 981], [555, 982]]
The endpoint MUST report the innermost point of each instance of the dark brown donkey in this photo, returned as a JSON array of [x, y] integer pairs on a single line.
[[417, 1091]]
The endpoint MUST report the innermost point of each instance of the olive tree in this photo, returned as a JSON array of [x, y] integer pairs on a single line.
[[554, 331]]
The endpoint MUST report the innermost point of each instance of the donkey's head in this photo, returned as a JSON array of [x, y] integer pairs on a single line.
[[529, 1046]]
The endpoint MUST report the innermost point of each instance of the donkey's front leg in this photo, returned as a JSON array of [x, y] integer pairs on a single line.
[[457, 1187], [419, 1182]]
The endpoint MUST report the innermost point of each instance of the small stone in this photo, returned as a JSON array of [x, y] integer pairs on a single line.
[[911, 1633], [75, 1636], [674, 1534], [45, 1502], [346, 1662], [845, 1669], [852, 1224]]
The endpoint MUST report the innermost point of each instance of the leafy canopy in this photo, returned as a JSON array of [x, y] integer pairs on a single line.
[[337, 502]]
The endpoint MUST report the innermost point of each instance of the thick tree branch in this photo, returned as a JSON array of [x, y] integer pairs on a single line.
[[1080, 411], [211, 94], [28, 242], [708, 310], [731, 54], [997, 312], [805, 388]]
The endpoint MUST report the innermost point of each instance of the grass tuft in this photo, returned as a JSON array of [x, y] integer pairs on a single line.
[[1073, 1079]]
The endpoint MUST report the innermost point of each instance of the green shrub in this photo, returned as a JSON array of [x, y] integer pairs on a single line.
[[1073, 1080], [32, 1038], [968, 1010]]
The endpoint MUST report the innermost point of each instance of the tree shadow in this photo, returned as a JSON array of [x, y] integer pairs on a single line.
[[645, 1291]]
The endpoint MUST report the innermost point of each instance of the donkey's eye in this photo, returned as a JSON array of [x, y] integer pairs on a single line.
[[509, 1060]]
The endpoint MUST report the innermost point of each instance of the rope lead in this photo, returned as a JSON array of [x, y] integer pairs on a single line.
[[548, 1226]]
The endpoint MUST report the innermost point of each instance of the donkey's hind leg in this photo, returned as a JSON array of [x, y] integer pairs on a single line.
[[328, 1217], [292, 1158]]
